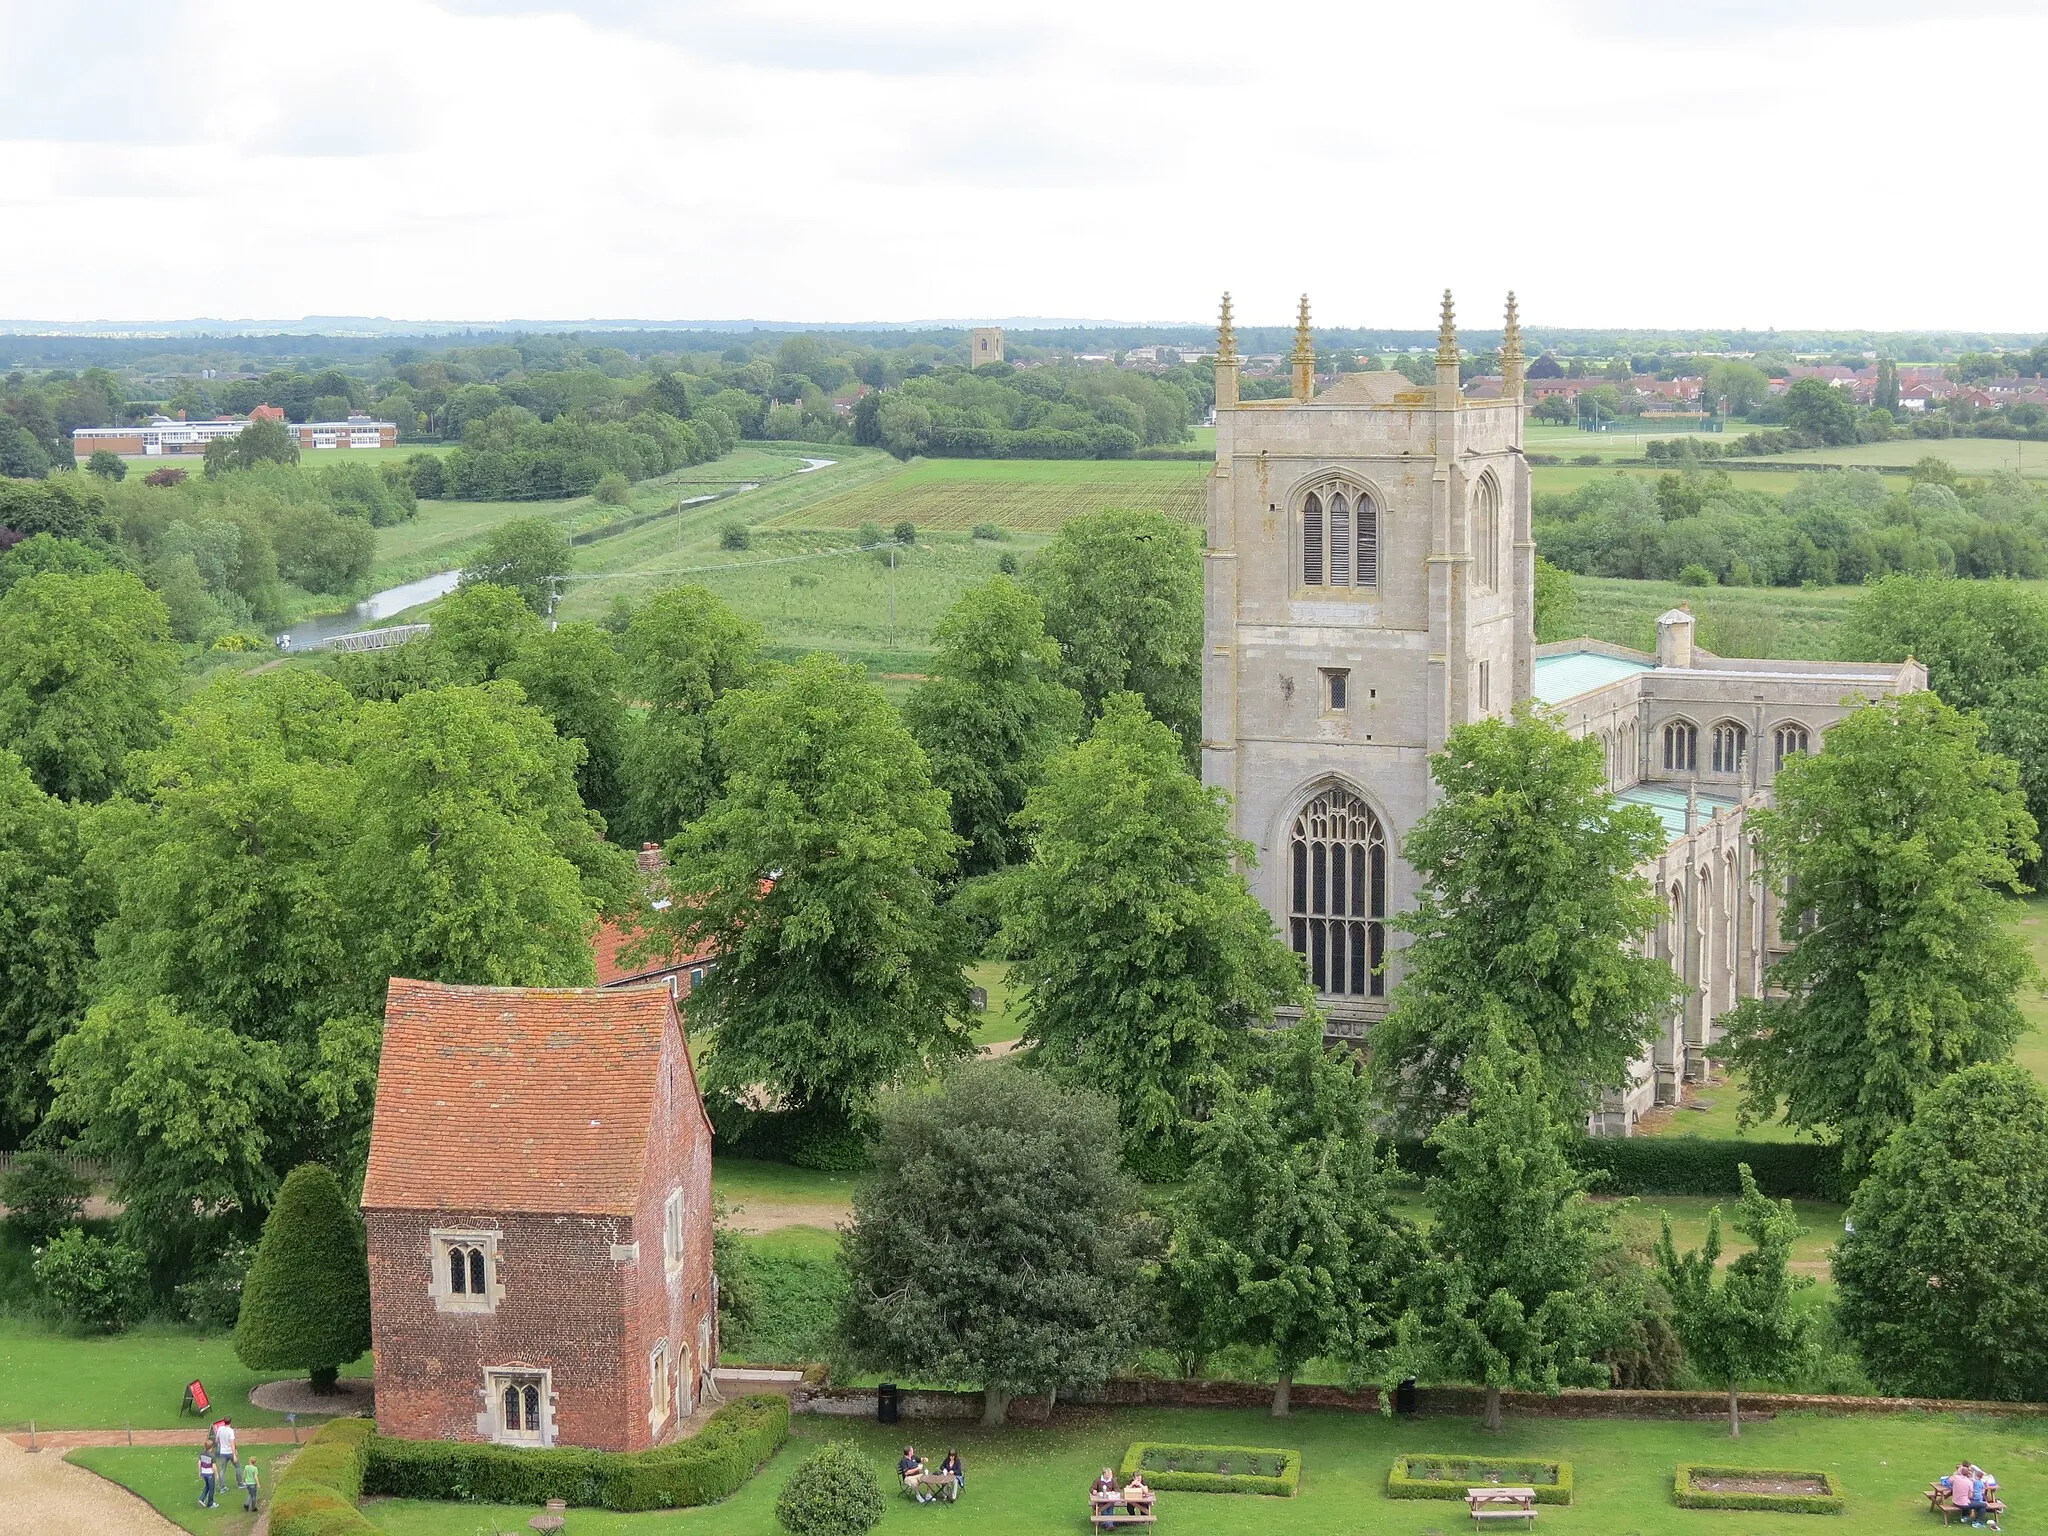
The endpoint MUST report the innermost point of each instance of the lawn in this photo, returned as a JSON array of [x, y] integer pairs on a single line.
[[168, 1478], [2031, 918], [1014, 494], [1000, 1023], [1032, 1480], [134, 1379]]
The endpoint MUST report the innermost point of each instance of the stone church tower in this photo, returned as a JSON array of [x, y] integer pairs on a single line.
[[1369, 585]]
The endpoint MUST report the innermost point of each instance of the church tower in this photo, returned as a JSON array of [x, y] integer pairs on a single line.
[[1370, 583]]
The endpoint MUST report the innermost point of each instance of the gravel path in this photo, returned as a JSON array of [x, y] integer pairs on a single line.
[[47, 1495]]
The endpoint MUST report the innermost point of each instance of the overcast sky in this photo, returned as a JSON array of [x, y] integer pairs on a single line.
[[1754, 163]]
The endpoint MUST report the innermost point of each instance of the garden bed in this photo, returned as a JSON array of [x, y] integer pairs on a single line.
[[1796, 1491], [1214, 1468], [1418, 1476]]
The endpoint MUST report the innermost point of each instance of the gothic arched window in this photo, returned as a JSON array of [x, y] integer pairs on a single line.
[[1486, 534], [1340, 538], [1788, 740], [1681, 747], [1731, 746], [1337, 895]]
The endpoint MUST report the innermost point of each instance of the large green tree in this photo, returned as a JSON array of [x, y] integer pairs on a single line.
[[1740, 1323], [1507, 1296], [1123, 597], [574, 675], [86, 671], [1894, 845], [530, 555], [992, 715], [1145, 961], [306, 1302], [1286, 1238], [1819, 410], [1531, 910], [685, 650], [814, 876], [1942, 1276], [996, 1243]]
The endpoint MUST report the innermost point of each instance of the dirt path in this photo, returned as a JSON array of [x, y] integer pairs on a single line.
[[58, 1441], [45, 1494], [757, 1216]]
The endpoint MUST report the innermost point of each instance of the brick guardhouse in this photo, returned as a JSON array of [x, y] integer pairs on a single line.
[[538, 1212]]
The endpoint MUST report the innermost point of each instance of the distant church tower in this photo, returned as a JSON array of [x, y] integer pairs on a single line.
[[984, 345], [1370, 584]]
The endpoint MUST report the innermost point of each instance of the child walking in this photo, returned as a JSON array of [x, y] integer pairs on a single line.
[[249, 1485], [206, 1479]]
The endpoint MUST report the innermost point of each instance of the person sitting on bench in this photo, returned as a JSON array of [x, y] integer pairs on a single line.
[[1137, 1497], [952, 1468], [1105, 1483]]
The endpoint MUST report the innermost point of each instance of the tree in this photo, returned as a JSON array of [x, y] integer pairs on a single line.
[[108, 466], [1286, 1238], [832, 1493], [1555, 409], [1123, 597], [1942, 1273], [996, 1241], [479, 629], [306, 1302], [1557, 603], [1740, 1323], [528, 554], [1507, 1300], [264, 441], [1893, 844], [685, 650], [1744, 386], [1531, 908], [1974, 637], [813, 874], [42, 1195], [1145, 961], [573, 674], [992, 715], [21, 456], [1814, 408], [86, 667]]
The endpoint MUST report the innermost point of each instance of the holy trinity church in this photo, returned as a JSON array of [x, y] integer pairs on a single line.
[[1370, 579]]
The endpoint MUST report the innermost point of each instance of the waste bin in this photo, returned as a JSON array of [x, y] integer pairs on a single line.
[[885, 1403], [1404, 1396]]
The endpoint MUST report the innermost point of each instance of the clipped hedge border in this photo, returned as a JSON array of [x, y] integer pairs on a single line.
[[1400, 1485], [1829, 1503], [317, 1492], [1285, 1486], [711, 1465]]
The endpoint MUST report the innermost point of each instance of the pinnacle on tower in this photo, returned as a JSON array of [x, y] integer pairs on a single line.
[[1511, 353], [1226, 335], [1447, 333], [1304, 354]]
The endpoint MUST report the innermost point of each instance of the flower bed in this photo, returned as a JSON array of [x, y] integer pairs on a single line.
[[1214, 1468], [1808, 1493], [1448, 1477]]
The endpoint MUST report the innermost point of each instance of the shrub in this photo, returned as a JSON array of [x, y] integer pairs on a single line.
[[93, 1282], [1829, 1503], [1587, 459], [170, 474], [306, 1302], [834, 1493], [987, 531], [212, 1299], [107, 465], [1447, 1477], [1007, 563], [317, 1492], [1200, 1468], [42, 1195], [906, 533], [1695, 575], [613, 489], [870, 535], [724, 1454], [735, 536]]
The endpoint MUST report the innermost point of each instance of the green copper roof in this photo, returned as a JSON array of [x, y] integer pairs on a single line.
[[1575, 672]]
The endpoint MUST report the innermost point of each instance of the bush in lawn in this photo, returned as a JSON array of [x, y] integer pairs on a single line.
[[613, 490], [870, 535], [1942, 1278], [317, 1491], [1007, 563], [93, 1282], [735, 536], [987, 531], [906, 533], [306, 1302], [834, 1493], [107, 464], [42, 1196]]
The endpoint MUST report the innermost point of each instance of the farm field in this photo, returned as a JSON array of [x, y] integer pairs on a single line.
[[1028, 495], [1562, 479], [1969, 455], [1030, 1479]]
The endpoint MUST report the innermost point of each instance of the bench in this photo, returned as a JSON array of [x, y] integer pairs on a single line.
[[1105, 1511], [1502, 1504], [1938, 1502]]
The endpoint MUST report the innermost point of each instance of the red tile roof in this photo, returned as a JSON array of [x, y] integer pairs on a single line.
[[516, 1098], [611, 938]]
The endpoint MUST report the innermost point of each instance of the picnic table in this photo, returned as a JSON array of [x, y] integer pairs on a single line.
[[1107, 1508], [944, 1485], [1939, 1503], [1502, 1503]]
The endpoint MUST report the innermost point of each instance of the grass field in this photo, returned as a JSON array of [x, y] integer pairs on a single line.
[[1791, 622], [1029, 1479], [1031, 495], [1563, 479], [1969, 455]]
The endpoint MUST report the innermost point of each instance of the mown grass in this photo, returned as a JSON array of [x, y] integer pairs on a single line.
[[167, 1478], [1032, 495], [1029, 1479]]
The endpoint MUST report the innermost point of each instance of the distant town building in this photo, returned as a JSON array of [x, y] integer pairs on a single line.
[[984, 345], [174, 434], [356, 432]]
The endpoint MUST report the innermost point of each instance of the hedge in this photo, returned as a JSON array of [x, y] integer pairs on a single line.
[[1687, 1165], [317, 1491], [1150, 1457], [1484, 1469], [1829, 1503], [701, 1470]]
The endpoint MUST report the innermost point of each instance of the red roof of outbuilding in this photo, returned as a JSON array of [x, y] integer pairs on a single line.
[[516, 1098]]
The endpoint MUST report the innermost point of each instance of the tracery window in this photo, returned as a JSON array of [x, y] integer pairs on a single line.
[[1731, 746], [1337, 895], [1789, 740], [1681, 747], [1486, 533], [519, 1399], [1339, 538], [466, 1271]]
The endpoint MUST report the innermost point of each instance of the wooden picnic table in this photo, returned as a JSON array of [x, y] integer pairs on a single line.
[[1106, 1508], [1502, 1503], [1939, 1503]]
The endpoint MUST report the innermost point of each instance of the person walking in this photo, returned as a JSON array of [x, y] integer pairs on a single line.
[[224, 1451], [250, 1478], [206, 1477]]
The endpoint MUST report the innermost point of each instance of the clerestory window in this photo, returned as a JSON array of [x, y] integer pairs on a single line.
[[1731, 747], [1681, 747], [1787, 741]]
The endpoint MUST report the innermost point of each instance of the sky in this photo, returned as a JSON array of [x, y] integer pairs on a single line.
[[1719, 163]]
